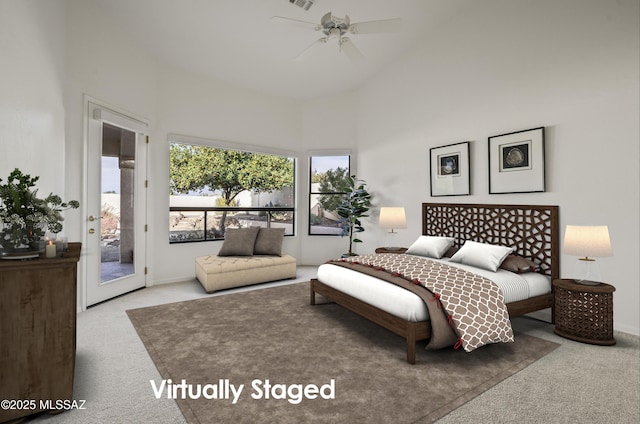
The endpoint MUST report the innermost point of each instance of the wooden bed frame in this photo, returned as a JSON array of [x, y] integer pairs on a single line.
[[533, 230]]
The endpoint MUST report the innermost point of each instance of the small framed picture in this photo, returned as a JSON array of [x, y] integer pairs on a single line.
[[516, 162], [450, 170]]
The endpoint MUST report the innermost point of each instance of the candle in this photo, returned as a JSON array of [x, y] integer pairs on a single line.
[[50, 250]]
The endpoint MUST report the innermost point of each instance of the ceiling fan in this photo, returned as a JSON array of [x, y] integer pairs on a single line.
[[335, 28]]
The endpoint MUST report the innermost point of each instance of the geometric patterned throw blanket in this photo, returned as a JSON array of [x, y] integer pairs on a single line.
[[473, 305]]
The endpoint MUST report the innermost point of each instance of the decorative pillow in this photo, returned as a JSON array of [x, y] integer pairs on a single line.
[[430, 246], [518, 264], [451, 251], [269, 242], [239, 241], [481, 255]]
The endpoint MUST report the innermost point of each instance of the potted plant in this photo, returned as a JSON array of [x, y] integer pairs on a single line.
[[24, 217], [353, 208]]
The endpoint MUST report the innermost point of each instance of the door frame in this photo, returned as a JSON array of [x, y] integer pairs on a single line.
[[115, 114]]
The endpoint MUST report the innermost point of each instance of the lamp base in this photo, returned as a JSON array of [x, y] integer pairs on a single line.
[[587, 272]]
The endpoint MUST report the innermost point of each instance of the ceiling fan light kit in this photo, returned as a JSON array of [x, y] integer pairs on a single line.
[[335, 28]]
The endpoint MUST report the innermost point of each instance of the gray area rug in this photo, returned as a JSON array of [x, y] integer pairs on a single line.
[[273, 336]]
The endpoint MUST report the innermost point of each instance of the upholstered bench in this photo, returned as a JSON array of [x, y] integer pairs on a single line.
[[248, 256], [223, 272]]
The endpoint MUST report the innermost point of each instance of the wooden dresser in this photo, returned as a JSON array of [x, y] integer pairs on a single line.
[[37, 332]]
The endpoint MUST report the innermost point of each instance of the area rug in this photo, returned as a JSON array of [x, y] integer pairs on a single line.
[[268, 356]]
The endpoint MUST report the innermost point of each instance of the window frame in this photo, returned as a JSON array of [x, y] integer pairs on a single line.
[[269, 211], [351, 171]]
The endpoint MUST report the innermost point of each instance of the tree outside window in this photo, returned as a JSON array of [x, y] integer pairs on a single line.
[[328, 186], [206, 177]]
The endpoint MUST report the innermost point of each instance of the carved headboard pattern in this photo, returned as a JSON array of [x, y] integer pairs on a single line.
[[532, 230]]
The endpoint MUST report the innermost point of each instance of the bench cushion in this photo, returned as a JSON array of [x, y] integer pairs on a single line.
[[223, 272]]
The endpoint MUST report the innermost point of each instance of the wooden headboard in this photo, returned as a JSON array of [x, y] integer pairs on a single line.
[[533, 230]]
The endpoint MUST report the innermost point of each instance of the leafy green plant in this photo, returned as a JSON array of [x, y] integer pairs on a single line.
[[230, 172], [23, 216], [332, 182], [354, 207]]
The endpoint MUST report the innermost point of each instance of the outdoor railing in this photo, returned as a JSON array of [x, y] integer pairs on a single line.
[[192, 224]]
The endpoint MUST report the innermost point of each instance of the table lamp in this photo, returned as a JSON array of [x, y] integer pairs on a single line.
[[587, 242], [392, 218]]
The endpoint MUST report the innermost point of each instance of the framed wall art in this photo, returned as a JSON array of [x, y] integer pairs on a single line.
[[450, 170], [516, 162]]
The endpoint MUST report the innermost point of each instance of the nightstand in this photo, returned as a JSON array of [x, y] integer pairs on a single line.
[[584, 313], [391, 249]]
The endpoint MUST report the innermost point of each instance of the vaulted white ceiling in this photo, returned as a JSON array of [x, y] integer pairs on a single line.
[[236, 41]]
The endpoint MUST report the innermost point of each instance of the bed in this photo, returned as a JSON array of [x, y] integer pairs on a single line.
[[532, 230]]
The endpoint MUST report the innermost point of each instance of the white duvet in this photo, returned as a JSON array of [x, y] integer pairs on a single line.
[[406, 305]]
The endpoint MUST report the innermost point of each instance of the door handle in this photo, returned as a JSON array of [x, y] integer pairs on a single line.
[[93, 218], [91, 231]]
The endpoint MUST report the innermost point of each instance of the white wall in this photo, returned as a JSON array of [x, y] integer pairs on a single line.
[[329, 124], [212, 110], [32, 132], [104, 64], [569, 66]]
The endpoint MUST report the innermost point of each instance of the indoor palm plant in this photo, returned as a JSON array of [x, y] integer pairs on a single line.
[[354, 207], [24, 217]]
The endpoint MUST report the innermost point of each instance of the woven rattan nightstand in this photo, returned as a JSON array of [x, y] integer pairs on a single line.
[[584, 313]]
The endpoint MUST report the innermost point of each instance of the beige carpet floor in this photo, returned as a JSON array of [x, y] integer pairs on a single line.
[[275, 335]]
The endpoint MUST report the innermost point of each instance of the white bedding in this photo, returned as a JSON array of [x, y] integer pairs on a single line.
[[406, 305]]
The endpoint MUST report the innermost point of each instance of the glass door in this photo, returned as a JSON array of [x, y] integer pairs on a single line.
[[116, 200], [117, 208]]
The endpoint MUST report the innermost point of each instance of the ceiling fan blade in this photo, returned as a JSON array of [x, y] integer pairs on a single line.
[[372, 27], [326, 19], [304, 53], [350, 49], [296, 22]]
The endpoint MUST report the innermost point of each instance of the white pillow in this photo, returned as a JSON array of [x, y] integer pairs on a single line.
[[430, 246], [481, 255]]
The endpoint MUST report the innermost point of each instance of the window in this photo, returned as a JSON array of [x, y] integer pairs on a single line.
[[326, 192], [215, 188]]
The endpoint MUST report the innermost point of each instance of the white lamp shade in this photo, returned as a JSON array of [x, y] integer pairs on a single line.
[[587, 241], [392, 218]]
